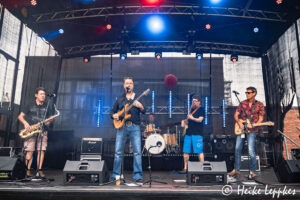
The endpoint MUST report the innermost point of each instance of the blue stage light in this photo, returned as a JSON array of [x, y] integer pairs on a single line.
[[98, 112], [153, 102], [215, 1], [205, 110], [224, 113], [61, 31], [155, 24], [123, 56], [188, 102], [199, 56], [170, 104], [256, 30]]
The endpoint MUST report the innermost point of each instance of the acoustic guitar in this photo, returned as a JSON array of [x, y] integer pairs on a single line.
[[123, 114], [239, 131]]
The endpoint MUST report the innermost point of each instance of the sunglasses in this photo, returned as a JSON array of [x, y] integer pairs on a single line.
[[248, 92]]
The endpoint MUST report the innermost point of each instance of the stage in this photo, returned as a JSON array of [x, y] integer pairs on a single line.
[[176, 188]]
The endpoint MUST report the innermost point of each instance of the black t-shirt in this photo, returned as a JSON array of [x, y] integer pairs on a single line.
[[134, 111], [196, 128], [35, 113]]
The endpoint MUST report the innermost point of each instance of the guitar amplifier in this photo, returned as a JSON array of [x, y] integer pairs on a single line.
[[91, 146], [207, 173], [245, 163]]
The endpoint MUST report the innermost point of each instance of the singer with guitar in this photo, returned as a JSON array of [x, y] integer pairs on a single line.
[[131, 119], [255, 111], [193, 139]]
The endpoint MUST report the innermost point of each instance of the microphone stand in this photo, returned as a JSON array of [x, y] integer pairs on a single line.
[[150, 171], [246, 132]]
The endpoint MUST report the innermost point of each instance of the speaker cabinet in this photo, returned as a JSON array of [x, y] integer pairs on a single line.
[[207, 173], [11, 168], [85, 173], [288, 171]]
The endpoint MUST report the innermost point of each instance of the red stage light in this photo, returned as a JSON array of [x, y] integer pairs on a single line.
[[108, 26], [33, 2], [152, 2]]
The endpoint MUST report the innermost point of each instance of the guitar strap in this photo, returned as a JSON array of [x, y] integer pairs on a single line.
[[253, 109]]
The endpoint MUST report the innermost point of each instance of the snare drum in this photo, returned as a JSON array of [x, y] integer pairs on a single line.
[[155, 144]]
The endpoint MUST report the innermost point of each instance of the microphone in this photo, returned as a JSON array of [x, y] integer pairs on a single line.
[[127, 89], [51, 95], [235, 92]]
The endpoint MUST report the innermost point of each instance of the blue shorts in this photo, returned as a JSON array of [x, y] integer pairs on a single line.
[[193, 140]]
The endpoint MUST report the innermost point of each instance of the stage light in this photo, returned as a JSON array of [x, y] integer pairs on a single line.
[[108, 26], [123, 56], [224, 113], [152, 2], [279, 2], [170, 104], [256, 30], [155, 24], [98, 112], [205, 110], [61, 31], [188, 102], [215, 1], [86, 59], [199, 56], [208, 26], [53, 34], [153, 102], [234, 58], [158, 55], [33, 2]]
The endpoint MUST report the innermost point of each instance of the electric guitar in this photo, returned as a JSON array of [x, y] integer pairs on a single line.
[[123, 114], [239, 131]]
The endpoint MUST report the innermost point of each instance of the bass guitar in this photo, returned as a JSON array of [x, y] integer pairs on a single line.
[[123, 114], [239, 131]]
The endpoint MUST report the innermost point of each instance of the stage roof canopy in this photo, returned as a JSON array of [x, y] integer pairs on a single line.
[[232, 25]]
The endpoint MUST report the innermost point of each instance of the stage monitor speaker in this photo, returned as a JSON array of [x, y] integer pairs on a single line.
[[11, 168], [85, 173], [289, 171], [207, 173]]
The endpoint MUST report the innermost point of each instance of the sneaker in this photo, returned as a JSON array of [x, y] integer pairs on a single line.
[[234, 172], [252, 174], [41, 173], [139, 182], [28, 173]]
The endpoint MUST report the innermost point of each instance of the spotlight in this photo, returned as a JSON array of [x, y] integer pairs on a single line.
[[152, 2], [108, 26], [279, 2], [158, 55], [215, 1], [123, 56], [155, 24], [256, 30], [86, 59], [208, 26], [33, 2], [199, 56], [234, 58], [61, 31]]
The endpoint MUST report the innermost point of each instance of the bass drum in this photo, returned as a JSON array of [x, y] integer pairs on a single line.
[[155, 144]]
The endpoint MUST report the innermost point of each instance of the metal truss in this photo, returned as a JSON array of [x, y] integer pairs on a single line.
[[165, 46], [163, 9], [164, 110]]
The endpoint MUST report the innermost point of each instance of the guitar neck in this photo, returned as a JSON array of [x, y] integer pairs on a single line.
[[137, 99]]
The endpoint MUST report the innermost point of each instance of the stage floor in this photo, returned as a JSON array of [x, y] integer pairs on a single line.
[[176, 188]]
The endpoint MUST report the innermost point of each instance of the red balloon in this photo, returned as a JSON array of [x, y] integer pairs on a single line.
[[170, 81]]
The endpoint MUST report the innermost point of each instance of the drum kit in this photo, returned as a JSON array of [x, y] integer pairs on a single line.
[[157, 141]]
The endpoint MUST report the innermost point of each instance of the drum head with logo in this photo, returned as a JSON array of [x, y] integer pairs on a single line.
[[155, 144]]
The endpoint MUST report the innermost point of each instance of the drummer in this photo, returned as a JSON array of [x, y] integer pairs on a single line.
[[152, 126]]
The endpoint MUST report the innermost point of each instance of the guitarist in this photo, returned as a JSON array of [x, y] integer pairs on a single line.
[[255, 112], [193, 138], [132, 130]]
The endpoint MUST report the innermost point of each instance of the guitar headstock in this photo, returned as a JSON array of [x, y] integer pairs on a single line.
[[146, 92]]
